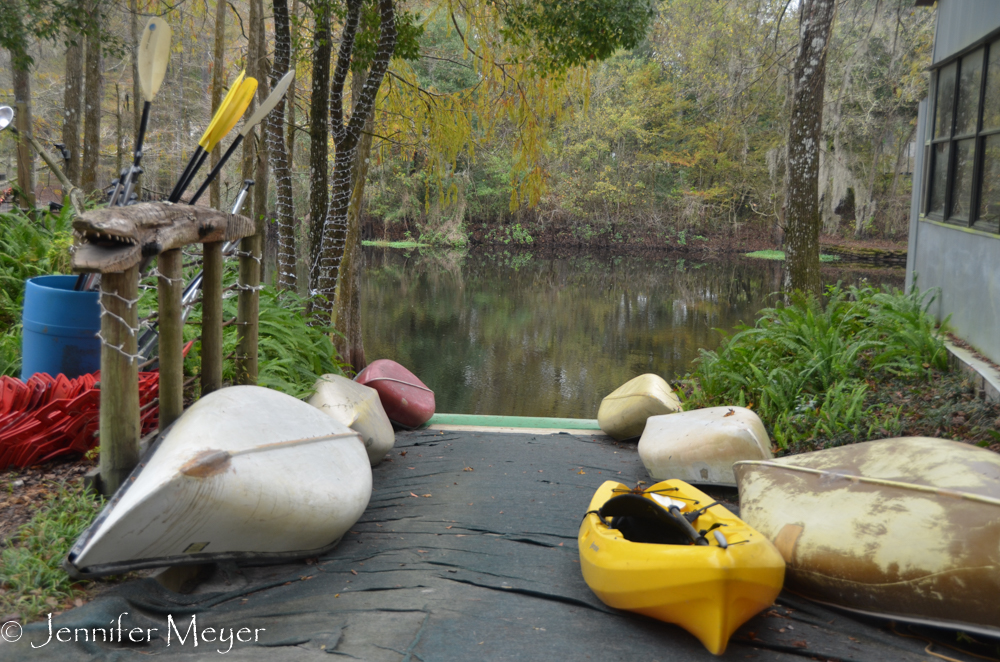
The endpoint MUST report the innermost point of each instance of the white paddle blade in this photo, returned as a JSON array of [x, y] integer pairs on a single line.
[[154, 53], [269, 103], [6, 116]]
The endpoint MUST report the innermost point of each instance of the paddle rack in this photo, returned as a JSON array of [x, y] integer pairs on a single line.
[[119, 400]]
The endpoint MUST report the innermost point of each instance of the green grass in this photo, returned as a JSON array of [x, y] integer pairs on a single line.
[[32, 581], [806, 367], [393, 244], [780, 255]]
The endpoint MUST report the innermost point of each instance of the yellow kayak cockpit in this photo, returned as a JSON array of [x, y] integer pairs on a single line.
[[671, 552]]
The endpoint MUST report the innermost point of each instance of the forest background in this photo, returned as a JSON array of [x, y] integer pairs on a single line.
[[682, 134]]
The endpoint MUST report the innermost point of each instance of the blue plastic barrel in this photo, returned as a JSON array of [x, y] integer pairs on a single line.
[[60, 327]]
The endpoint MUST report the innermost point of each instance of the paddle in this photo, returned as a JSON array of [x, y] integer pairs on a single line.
[[262, 111], [230, 110], [154, 53]]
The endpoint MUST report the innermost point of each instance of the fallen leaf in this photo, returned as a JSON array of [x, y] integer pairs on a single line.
[[731, 412], [426, 495], [468, 469], [354, 572], [411, 467], [403, 453], [800, 644], [337, 596], [421, 551], [414, 495], [581, 473], [447, 527]]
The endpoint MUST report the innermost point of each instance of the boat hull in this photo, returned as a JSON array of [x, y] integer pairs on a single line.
[[906, 529], [708, 590], [624, 411], [406, 400], [245, 473], [701, 445], [358, 407]]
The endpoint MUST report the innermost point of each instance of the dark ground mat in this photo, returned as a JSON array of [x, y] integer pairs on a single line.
[[466, 552]]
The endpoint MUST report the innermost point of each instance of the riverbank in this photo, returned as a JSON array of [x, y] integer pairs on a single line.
[[561, 240]]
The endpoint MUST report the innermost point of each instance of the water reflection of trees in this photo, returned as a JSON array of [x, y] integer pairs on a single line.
[[550, 337]]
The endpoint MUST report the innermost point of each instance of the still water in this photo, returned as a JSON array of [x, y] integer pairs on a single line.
[[525, 336]]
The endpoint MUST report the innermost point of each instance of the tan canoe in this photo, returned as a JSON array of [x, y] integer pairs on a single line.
[[624, 411], [701, 445], [358, 407], [907, 529]]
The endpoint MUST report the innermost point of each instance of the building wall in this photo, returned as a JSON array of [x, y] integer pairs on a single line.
[[961, 265]]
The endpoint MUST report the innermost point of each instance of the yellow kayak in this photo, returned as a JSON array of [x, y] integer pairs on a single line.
[[709, 578]]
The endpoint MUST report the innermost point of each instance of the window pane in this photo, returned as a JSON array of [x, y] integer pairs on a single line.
[[989, 200], [961, 192], [991, 107], [945, 99], [939, 176], [968, 93]]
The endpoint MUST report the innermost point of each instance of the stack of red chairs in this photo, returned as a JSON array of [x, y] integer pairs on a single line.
[[53, 416]]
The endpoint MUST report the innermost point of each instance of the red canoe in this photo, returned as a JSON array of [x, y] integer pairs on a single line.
[[406, 400]]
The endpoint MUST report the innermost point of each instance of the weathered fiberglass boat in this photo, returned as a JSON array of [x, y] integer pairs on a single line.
[[358, 407], [406, 400], [246, 473], [905, 529], [673, 553], [623, 412]]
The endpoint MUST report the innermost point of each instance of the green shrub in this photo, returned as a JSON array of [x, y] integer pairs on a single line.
[[804, 366]]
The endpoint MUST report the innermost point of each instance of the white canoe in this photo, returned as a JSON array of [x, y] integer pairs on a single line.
[[624, 411], [701, 445], [246, 473], [906, 529], [358, 407]]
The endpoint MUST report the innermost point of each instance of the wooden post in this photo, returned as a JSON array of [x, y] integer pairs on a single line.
[[119, 414], [211, 319], [248, 310], [169, 289]]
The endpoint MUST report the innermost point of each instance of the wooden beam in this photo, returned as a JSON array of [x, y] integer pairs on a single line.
[[119, 414], [169, 288], [247, 331], [211, 319]]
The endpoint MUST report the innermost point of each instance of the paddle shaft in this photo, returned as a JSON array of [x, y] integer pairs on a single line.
[[181, 184], [218, 168], [129, 180], [695, 537]]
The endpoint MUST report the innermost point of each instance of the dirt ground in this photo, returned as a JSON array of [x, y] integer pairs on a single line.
[[22, 491]]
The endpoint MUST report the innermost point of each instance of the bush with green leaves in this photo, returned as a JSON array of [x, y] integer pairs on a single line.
[[28, 248], [805, 366]]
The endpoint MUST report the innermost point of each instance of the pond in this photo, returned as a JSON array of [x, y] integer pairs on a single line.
[[520, 335]]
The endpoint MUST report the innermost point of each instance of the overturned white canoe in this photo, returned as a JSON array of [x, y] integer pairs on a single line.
[[246, 473], [358, 407], [701, 445], [906, 529], [624, 411]]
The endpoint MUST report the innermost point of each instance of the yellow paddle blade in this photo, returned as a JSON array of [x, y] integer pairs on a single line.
[[154, 53], [234, 113], [226, 101]]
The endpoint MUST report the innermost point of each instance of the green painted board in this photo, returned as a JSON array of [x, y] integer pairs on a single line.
[[514, 421]]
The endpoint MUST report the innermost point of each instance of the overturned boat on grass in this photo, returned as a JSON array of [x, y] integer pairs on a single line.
[[905, 529], [247, 474]]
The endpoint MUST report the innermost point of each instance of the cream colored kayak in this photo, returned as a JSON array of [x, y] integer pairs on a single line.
[[358, 407], [624, 411], [701, 445], [245, 473], [906, 529]]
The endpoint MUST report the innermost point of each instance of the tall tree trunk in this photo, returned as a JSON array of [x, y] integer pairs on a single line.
[[346, 138], [72, 100], [25, 156], [93, 95], [346, 320], [804, 135], [119, 138], [218, 83], [284, 209], [319, 114], [254, 167], [294, 37]]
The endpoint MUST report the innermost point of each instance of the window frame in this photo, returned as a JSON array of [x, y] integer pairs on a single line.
[[978, 136]]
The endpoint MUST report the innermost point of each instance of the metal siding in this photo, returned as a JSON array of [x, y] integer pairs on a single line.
[[961, 22]]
